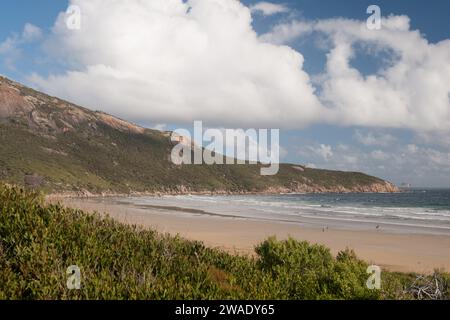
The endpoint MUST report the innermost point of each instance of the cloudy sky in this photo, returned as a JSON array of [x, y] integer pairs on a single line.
[[344, 96]]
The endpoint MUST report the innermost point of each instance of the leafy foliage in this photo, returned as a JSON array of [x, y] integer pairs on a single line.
[[39, 241]]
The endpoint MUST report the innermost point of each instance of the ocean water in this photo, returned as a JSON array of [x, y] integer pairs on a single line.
[[415, 210]]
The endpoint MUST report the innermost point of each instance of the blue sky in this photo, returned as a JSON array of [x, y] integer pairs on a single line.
[[399, 150]]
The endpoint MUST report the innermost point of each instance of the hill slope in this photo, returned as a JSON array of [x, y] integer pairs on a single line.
[[52, 144]]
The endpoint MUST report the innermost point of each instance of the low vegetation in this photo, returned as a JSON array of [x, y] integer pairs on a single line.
[[39, 241]]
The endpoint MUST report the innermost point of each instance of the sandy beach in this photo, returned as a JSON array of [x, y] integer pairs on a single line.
[[404, 252]]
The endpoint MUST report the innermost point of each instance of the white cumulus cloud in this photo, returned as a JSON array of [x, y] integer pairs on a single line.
[[10, 48], [268, 8], [325, 152], [175, 61], [31, 33], [413, 91], [374, 139], [287, 32]]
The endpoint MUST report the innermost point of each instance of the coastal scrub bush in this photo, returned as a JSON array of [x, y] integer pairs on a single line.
[[308, 271], [39, 241]]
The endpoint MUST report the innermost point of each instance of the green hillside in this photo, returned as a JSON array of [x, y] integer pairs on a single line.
[[52, 144]]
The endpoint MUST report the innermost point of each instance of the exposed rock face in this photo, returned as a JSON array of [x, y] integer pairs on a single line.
[[119, 124], [382, 187], [12, 103], [386, 187], [33, 181], [44, 113]]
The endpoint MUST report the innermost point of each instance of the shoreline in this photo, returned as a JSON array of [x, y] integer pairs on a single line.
[[84, 194], [89, 195], [403, 252]]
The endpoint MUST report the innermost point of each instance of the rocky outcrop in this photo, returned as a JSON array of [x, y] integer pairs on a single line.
[[385, 187], [43, 113], [13, 104], [381, 187], [119, 124]]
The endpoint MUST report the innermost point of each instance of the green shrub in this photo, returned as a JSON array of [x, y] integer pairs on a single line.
[[38, 242], [310, 272]]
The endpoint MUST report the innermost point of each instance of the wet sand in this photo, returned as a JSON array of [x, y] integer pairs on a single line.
[[393, 251]]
